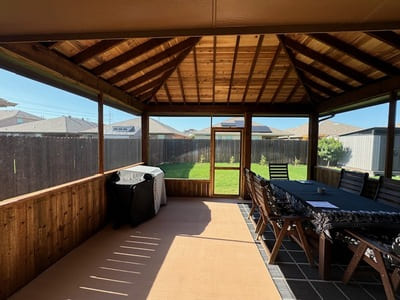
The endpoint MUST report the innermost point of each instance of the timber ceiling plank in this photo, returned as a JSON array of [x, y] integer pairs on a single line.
[[293, 91], [181, 83], [167, 92], [94, 50], [281, 82], [316, 86], [214, 61], [356, 53], [325, 60], [196, 74], [188, 43]]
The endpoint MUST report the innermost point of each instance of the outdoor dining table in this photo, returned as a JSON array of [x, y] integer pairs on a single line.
[[332, 208]]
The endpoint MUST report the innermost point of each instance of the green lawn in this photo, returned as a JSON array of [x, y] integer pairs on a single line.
[[226, 181]]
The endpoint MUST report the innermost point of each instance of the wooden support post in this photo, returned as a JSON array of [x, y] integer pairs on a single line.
[[312, 145], [100, 122], [247, 150], [390, 135], [145, 137]]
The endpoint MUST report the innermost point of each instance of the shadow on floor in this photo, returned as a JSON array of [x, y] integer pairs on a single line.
[[295, 279], [119, 264]]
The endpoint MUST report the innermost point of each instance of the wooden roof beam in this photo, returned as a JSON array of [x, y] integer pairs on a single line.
[[214, 66], [293, 91], [188, 43], [388, 37], [167, 92], [281, 82], [321, 75], [129, 55], [269, 72], [40, 63], [319, 87], [376, 92], [253, 65], [178, 71], [228, 99], [325, 60], [180, 58], [299, 73], [283, 109], [94, 50], [196, 73], [356, 53]]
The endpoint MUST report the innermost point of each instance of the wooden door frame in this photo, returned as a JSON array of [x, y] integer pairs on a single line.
[[212, 161]]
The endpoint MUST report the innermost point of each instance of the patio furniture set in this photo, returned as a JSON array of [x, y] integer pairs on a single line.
[[319, 217]]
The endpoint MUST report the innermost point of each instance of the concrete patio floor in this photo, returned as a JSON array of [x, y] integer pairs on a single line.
[[193, 249]]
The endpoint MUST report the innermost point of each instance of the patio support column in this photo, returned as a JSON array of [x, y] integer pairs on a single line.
[[390, 135], [246, 149], [100, 123], [145, 138], [312, 145]]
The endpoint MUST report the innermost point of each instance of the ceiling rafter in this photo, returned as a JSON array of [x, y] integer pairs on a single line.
[[356, 53], [321, 75], [388, 37], [129, 55], [149, 75], [299, 73], [167, 92], [325, 60], [94, 50], [293, 91], [188, 43], [281, 82], [319, 87], [196, 73], [167, 74], [253, 65], [178, 71], [214, 66], [146, 87], [228, 99], [269, 72]]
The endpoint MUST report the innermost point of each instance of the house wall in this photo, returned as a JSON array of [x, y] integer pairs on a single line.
[[360, 152]]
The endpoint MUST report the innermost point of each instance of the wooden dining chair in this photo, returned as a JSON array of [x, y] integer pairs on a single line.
[[278, 171], [352, 182], [388, 192], [249, 177], [284, 222], [373, 252]]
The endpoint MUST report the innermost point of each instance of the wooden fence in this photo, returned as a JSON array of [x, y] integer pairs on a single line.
[[192, 151], [29, 163]]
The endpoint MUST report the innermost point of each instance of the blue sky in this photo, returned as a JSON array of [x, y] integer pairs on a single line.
[[48, 102]]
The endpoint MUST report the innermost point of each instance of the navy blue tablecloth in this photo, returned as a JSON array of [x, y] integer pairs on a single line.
[[352, 210]]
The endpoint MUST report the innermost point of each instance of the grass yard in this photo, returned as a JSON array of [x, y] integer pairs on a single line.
[[226, 181]]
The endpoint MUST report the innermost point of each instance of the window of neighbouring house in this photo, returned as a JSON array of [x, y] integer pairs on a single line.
[[180, 146], [122, 138], [46, 144], [355, 140], [279, 140]]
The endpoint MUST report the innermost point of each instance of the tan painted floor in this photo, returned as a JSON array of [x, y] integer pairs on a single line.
[[193, 249]]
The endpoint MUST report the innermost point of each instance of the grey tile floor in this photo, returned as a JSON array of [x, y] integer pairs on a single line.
[[295, 279]]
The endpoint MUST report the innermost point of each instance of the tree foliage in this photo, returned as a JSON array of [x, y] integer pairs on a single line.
[[330, 150]]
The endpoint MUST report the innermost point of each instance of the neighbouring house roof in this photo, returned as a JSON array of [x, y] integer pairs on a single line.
[[133, 127], [238, 122], [326, 128], [6, 114], [57, 125], [5, 103]]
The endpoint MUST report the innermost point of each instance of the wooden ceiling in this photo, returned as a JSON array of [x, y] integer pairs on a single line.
[[291, 68], [263, 71]]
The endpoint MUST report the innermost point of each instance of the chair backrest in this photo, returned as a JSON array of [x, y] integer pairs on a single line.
[[352, 182], [261, 196], [388, 192], [249, 177], [278, 171]]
